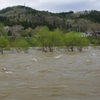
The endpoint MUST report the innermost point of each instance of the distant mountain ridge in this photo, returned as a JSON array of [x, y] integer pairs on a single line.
[[28, 17]]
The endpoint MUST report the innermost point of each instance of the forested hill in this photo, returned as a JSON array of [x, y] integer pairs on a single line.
[[28, 17], [92, 15]]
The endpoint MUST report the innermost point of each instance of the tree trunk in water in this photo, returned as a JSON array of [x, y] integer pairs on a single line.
[[2, 50], [72, 49], [80, 49], [44, 49], [50, 49]]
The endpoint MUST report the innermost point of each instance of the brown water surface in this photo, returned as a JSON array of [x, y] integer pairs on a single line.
[[50, 76]]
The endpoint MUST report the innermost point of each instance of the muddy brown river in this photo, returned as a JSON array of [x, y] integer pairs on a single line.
[[60, 75]]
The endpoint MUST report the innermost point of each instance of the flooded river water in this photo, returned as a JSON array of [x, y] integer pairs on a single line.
[[50, 76]]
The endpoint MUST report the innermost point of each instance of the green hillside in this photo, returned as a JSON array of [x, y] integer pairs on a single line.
[[67, 21]]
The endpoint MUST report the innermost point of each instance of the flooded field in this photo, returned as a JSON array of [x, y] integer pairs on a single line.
[[59, 75]]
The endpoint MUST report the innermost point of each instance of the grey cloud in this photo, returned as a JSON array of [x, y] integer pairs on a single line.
[[75, 6], [55, 5], [66, 7]]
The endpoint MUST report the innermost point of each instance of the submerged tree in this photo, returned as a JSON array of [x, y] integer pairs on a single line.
[[41, 36], [49, 39], [55, 39], [82, 42], [74, 39], [4, 43], [21, 45], [70, 40], [33, 42]]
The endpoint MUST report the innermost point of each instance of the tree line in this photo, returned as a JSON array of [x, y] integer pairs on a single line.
[[46, 39]]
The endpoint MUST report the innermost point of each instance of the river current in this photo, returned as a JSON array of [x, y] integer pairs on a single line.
[[60, 75]]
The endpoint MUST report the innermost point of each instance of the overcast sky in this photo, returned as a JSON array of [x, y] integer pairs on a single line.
[[54, 5]]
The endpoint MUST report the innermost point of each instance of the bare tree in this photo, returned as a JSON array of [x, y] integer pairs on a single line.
[[94, 29]]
